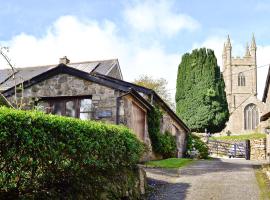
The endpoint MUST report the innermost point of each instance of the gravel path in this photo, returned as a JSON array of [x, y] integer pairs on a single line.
[[217, 179]]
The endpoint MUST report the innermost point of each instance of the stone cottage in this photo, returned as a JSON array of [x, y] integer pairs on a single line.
[[91, 90]]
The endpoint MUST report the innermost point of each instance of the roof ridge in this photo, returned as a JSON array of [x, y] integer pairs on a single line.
[[113, 59], [50, 65]]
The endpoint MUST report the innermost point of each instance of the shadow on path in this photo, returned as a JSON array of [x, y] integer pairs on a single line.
[[164, 190]]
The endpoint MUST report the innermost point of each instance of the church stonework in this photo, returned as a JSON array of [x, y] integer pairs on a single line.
[[240, 77]]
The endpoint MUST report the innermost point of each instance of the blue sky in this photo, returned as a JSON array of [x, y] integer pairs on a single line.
[[148, 37]]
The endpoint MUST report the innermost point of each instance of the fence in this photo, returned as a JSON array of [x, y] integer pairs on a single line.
[[239, 149]]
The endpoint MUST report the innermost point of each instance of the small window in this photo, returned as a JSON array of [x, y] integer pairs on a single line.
[[79, 107], [85, 108], [241, 79]]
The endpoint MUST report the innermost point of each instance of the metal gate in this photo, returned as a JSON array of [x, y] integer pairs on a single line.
[[232, 150]]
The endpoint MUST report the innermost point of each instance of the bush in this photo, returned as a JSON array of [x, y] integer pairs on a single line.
[[163, 144], [195, 144], [40, 152], [167, 145]]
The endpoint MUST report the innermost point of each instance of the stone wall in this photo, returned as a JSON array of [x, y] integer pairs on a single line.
[[258, 149], [103, 98], [170, 125]]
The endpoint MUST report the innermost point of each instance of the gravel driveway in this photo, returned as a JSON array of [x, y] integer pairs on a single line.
[[231, 179]]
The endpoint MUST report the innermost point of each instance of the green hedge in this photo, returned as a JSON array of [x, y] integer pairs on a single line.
[[40, 152]]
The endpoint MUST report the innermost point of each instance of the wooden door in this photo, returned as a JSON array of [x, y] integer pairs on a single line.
[[138, 121]]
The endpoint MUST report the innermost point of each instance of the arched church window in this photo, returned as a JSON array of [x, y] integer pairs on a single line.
[[241, 79], [251, 116]]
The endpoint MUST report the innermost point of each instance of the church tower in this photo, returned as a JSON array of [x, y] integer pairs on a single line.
[[240, 74], [240, 77]]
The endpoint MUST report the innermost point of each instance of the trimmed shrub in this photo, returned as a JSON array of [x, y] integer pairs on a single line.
[[50, 154], [163, 144], [167, 145], [194, 143]]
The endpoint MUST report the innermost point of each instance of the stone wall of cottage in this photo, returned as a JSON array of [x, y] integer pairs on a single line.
[[103, 98], [258, 149], [168, 124], [125, 118]]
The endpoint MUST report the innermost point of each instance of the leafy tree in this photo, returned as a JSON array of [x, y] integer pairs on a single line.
[[158, 85], [200, 96]]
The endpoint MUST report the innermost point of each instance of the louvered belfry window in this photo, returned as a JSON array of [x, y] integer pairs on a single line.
[[241, 79], [251, 116]]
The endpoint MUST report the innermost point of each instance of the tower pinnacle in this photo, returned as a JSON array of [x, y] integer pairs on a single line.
[[253, 43], [228, 44], [247, 51]]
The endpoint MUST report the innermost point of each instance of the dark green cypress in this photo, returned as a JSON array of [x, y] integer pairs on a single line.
[[200, 92]]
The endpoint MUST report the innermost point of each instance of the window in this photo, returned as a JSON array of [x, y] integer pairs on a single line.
[[241, 79], [251, 117], [79, 107]]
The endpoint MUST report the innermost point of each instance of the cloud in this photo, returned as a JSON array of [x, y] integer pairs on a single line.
[[79, 40], [158, 16], [215, 43], [92, 40], [263, 58]]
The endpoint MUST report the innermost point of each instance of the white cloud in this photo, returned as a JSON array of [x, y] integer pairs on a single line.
[[90, 40], [158, 16], [215, 43], [67, 36], [263, 57]]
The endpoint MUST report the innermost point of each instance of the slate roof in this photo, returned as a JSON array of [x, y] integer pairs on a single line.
[[27, 73]]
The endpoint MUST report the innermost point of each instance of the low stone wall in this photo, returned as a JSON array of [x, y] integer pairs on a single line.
[[258, 149], [122, 184]]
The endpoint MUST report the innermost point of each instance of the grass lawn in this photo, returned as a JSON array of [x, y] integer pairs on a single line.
[[169, 163], [263, 184], [240, 137]]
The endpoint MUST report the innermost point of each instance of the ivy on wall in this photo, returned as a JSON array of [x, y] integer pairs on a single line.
[[162, 143]]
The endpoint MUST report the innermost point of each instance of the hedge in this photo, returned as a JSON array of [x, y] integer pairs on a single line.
[[40, 152]]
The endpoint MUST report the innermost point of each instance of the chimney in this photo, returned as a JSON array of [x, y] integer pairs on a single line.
[[64, 60]]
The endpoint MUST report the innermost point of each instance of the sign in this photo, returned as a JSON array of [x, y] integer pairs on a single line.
[[104, 114]]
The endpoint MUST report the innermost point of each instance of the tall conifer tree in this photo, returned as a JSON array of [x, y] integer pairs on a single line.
[[200, 92]]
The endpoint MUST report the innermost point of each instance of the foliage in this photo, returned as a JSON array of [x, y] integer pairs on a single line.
[[200, 97], [167, 145], [236, 138], [263, 183], [52, 154], [158, 85], [162, 143], [169, 163], [194, 143]]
